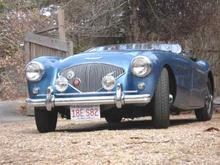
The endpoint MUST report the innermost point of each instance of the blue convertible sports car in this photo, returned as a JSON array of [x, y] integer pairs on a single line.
[[120, 81]]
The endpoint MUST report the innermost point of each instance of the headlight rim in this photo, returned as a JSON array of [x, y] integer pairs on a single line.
[[42, 71], [149, 65], [104, 85], [57, 87]]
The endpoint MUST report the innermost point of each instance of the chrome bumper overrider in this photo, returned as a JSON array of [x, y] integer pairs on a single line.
[[119, 99]]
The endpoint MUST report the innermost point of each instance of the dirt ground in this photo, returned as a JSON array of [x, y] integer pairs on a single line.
[[131, 142]]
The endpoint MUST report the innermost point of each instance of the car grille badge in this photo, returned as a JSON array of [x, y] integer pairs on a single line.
[[76, 82]]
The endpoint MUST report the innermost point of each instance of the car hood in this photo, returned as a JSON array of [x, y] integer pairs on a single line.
[[122, 58]]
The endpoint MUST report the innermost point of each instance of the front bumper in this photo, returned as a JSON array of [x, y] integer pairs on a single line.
[[120, 98]]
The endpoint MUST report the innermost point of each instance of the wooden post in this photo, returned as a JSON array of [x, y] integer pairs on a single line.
[[70, 48], [27, 51], [61, 24]]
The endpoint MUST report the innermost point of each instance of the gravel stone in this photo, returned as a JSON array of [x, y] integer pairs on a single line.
[[186, 141]]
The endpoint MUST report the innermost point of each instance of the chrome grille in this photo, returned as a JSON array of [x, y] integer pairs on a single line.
[[91, 75]]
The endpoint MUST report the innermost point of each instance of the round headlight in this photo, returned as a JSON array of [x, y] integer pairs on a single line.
[[61, 84], [70, 75], [141, 66], [34, 71], [108, 82]]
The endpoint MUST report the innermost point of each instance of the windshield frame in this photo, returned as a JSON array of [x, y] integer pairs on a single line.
[[170, 47]]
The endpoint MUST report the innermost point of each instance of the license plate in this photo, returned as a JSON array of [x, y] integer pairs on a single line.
[[86, 112]]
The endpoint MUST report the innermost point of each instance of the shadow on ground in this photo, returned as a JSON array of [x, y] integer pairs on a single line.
[[126, 125]]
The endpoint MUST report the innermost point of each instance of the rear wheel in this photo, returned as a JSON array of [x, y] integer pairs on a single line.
[[205, 113], [113, 116], [161, 105], [46, 121]]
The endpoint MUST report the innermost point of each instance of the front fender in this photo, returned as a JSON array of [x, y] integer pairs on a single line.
[[50, 64], [150, 80]]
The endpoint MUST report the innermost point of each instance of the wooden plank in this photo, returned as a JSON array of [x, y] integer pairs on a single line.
[[33, 48], [47, 29], [27, 52], [47, 41], [27, 59], [70, 48]]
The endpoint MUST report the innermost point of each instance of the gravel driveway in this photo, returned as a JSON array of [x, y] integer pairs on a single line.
[[131, 142], [10, 111]]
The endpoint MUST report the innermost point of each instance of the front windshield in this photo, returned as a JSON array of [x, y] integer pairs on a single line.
[[175, 48]]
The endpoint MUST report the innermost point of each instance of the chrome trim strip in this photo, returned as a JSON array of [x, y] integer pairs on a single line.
[[93, 58], [74, 88], [50, 98], [200, 71], [97, 100], [40, 95], [93, 93], [119, 97], [87, 93], [130, 92]]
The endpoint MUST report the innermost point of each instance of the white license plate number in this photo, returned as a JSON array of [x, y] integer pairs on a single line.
[[85, 112]]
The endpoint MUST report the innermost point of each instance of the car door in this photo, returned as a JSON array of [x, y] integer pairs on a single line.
[[199, 85], [183, 72]]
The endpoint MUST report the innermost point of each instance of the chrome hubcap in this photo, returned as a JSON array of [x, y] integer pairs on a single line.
[[170, 98]]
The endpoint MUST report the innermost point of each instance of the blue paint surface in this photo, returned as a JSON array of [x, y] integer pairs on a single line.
[[190, 77]]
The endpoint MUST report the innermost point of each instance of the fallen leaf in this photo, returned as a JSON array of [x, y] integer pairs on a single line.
[[135, 137], [212, 129]]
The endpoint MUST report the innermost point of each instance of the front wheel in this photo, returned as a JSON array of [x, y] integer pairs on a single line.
[[46, 121], [205, 113], [161, 105]]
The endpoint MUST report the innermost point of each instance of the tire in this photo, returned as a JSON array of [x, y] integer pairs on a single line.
[[113, 116], [46, 121], [161, 105], [205, 113]]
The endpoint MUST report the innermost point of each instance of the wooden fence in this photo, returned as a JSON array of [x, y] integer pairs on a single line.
[[37, 45]]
